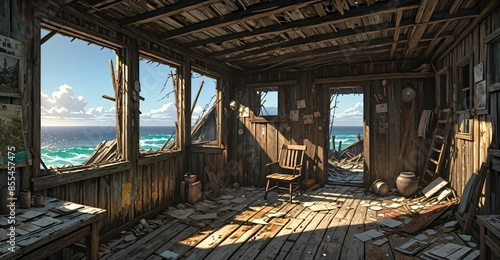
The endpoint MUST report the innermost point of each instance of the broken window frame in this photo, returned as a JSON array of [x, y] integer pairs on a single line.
[[215, 109], [170, 145], [48, 25], [257, 104]]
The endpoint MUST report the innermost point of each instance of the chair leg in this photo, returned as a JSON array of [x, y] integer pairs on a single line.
[[300, 187], [267, 189], [290, 190]]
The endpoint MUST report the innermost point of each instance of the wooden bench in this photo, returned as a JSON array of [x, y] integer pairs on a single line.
[[289, 163]]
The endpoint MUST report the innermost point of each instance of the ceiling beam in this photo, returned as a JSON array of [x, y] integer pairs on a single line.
[[166, 11], [424, 14], [346, 50], [275, 45], [251, 12], [358, 13], [399, 15], [99, 5]]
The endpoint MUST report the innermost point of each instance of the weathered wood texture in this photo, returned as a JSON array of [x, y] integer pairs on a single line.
[[466, 155], [257, 143], [127, 195]]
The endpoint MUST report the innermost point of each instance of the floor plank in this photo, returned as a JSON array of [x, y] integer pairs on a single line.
[[303, 230]]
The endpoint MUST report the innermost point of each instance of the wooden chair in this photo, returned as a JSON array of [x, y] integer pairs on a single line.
[[289, 163]]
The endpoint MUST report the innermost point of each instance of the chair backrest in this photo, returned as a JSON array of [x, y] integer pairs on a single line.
[[292, 156]]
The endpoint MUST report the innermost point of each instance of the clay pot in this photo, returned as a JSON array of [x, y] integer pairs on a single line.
[[407, 184], [380, 188]]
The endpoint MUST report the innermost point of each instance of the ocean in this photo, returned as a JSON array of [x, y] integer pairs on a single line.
[[346, 134], [71, 145]]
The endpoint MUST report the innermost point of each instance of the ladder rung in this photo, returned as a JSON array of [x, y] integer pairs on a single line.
[[443, 121], [434, 161], [439, 136], [436, 150]]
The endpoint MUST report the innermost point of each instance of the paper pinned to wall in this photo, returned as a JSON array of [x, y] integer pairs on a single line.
[[301, 104], [294, 115]]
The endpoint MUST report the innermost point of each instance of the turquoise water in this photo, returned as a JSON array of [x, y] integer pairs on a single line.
[[346, 134], [72, 145]]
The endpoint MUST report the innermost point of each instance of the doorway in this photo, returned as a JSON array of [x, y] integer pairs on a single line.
[[345, 146]]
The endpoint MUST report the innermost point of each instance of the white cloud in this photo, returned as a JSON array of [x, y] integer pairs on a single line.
[[61, 107]]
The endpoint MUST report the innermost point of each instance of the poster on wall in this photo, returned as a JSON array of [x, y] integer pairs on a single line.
[[10, 66], [11, 134], [480, 98]]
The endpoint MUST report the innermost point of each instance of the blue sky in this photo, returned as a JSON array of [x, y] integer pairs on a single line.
[[75, 75]]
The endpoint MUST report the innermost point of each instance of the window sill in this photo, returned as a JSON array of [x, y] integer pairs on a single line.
[[78, 173], [158, 156]]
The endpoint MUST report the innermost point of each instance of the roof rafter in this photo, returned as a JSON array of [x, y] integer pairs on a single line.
[[358, 13], [166, 11], [252, 12], [258, 49]]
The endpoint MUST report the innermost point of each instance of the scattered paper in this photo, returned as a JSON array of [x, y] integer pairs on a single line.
[[473, 255], [180, 213], [465, 238], [471, 244], [448, 238], [380, 242], [169, 255], [421, 237], [46, 221], [275, 214], [394, 206], [411, 247], [376, 208], [450, 224], [389, 222], [431, 232], [368, 235], [129, 238]]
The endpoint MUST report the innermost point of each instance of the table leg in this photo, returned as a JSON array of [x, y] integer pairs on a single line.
[[93, 242]]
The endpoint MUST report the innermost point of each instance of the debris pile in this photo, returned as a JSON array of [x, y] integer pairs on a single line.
[[421, 226], [199, 215]]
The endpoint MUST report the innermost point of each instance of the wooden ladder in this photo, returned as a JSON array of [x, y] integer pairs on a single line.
[[433, 164]]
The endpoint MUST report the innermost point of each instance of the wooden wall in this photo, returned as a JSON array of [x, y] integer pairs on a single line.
[[259, 141], [467, 155], [135, 188]]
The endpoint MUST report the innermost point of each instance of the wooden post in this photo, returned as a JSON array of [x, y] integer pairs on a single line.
[[359, 137], [185, 113], [340, 145], [333, 142]]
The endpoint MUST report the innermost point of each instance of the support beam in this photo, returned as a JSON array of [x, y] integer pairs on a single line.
[[358, 13], [409, 22], [423, 16], [399, 15], [48, 36], [378, 76], [252, 12], [184, 89]]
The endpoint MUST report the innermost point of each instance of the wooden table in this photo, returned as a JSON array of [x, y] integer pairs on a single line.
[[42, 231], [489, 235]]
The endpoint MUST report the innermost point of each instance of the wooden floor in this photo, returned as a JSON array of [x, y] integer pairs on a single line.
[[302, 233]]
